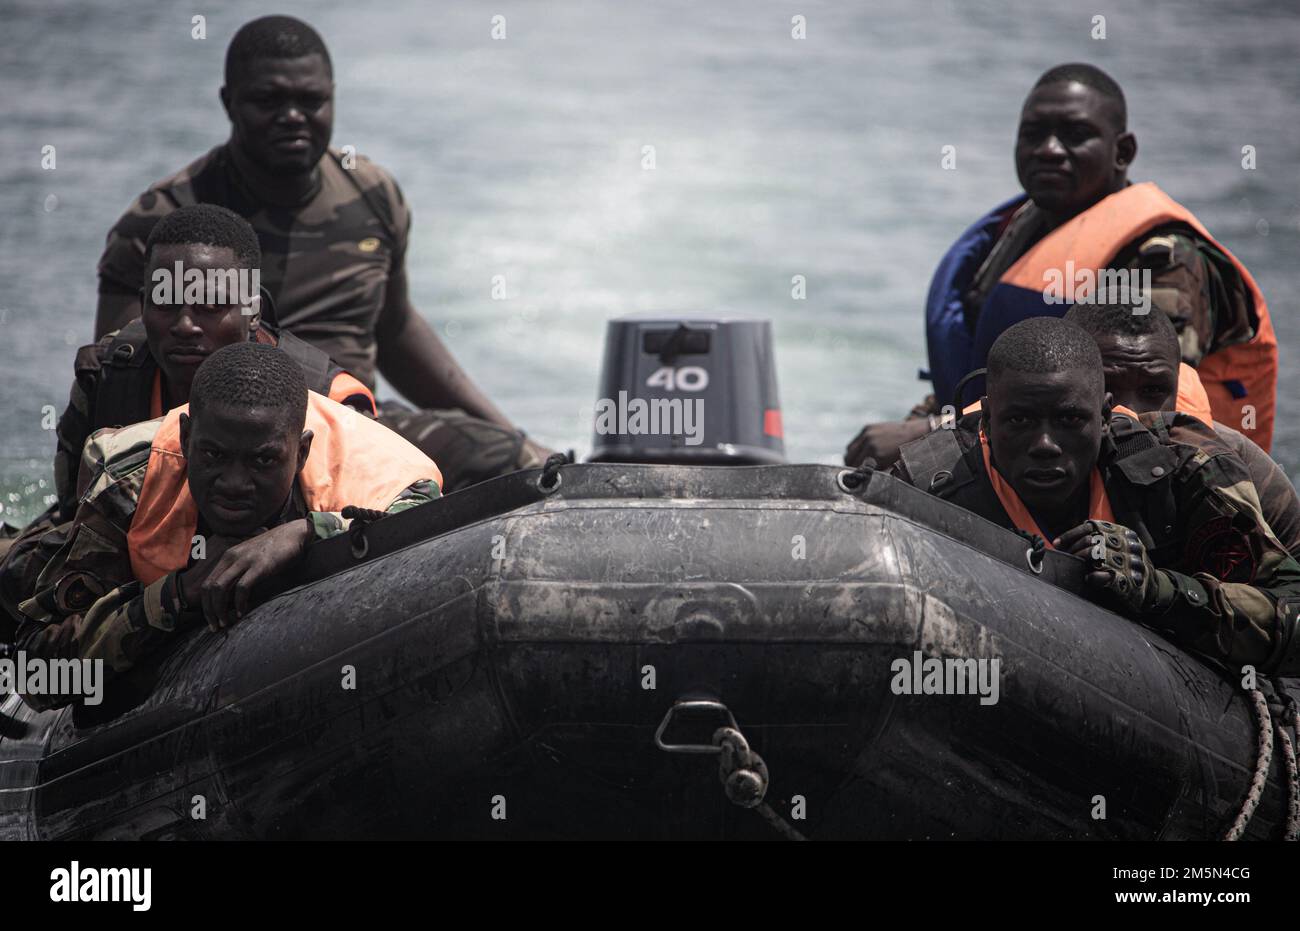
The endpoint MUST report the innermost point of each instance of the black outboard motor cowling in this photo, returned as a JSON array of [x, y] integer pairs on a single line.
[[698, 390]]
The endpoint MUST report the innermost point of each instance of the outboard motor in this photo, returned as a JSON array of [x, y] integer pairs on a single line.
[[693, 390]]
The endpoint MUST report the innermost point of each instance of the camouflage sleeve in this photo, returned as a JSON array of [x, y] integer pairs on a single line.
[[1181, 287], [1236, 590], [90, 564], [121, 267], [331, 523], [1277, 496], [118, 629], [129, 622], [1200, 289]]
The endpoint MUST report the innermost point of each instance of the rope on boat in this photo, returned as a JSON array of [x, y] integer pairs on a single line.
[[744, 779], [1288, 759], [1290, 741], [549, 480], [1263, 758], [1293, 782]]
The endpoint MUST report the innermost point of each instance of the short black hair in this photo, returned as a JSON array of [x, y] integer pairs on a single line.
[[1042, 345], [209, 225], [1119, 317], [1089, 76], [272, 37], [252, 375]]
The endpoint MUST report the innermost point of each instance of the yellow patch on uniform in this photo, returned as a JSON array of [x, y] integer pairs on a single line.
[[369, 244]]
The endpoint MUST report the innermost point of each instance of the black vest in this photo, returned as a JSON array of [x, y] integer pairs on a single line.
[[125, 374]]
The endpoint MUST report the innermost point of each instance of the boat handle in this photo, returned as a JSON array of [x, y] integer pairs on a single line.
[[692, 705]]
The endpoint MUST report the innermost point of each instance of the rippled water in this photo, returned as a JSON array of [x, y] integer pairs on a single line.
[[522, 158]]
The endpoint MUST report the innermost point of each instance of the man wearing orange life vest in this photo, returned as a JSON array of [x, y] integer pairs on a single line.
[[145, 369], [1080, 216], [1140, 362], [186, 514], [1172, 530]]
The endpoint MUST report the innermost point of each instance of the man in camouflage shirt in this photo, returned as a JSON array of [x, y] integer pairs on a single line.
[[132, 571], [1162, 511], [334, 231]]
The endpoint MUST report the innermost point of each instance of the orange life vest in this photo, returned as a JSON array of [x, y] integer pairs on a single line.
[[1234, 377], [344, 386], [1192, 398], [353, 461]]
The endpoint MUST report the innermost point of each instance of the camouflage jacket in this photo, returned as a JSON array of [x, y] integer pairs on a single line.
[[1190, 499], [88, 603], [326, 263]]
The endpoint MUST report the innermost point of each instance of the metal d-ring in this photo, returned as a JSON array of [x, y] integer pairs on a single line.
[[1035, 568], [852, 481], [692, 705], [360, 543]]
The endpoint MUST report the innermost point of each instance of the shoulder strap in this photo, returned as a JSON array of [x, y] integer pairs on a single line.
[[315, 364], [126, 379], [1139, 465]]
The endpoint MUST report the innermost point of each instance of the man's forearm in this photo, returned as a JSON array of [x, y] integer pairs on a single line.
[[418, 364]]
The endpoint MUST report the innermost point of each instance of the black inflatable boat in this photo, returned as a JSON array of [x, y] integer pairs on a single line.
[[518, 651]]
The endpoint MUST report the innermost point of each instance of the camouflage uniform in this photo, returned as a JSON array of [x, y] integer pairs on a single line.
[[1198, 287], [1189, 498], [106, 393], [326, 264], [88, 603]]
